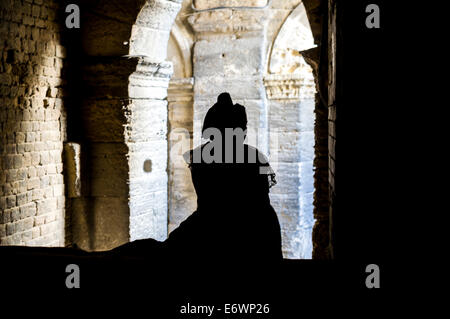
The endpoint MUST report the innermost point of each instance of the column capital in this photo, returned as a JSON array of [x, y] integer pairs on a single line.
[[146, 68], [150, 80], [289, 87], [181, 90]]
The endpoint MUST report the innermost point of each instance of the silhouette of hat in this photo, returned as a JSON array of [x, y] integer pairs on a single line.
[[225, 114]]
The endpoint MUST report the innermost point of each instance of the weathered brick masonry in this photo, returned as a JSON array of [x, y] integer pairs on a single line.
[[32, 124]]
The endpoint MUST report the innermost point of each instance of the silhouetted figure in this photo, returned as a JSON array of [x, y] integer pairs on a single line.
[[234, 222]]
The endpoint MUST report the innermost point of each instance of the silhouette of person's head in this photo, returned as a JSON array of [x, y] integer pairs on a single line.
[[224, 114]]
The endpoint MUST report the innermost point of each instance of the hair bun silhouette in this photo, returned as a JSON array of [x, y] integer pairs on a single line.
[[225, 114], [225, 99]]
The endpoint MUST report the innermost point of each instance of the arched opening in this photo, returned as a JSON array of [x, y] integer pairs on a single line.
[[148, 120], [207, 58], [291, 92], [124, 175], [181, 193]]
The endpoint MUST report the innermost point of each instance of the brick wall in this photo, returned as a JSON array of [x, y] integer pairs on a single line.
[[32, 126]]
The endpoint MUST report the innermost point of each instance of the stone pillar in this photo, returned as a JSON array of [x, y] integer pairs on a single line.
[[229, 56], [32, 123], [146, 139], [291, 118], [146, 129], [125, 183], [182, 197]]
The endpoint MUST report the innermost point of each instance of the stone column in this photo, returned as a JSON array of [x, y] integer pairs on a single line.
[[146, 129], [291, 118], [229, 56], [146, 139], [125, 183], [182, 197], [100, 216]]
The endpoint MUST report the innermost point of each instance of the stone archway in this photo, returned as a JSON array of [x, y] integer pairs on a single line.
[[147, 130], [181, 194], [124, 110], [290, 89], [125, 77]]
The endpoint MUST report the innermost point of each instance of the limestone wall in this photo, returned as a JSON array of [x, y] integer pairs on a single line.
[[32, 124], [292, 197], [290, 87], [182, 198]]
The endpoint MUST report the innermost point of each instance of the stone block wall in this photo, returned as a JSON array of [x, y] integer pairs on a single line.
[[182, 200], [292, 153], [229, 56], [290, 90], [32, 124], [182, 197]]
